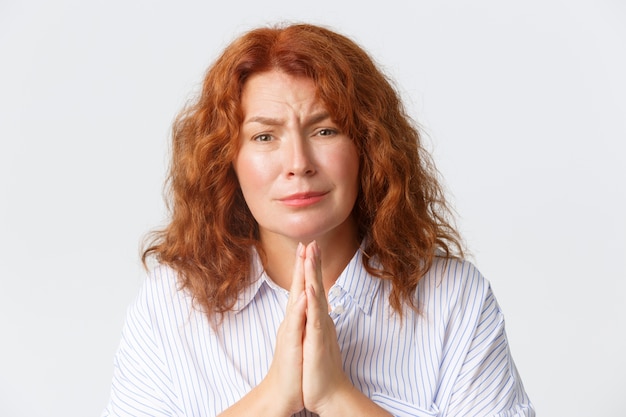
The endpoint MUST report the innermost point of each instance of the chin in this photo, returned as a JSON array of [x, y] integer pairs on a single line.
[[302, 234], [306, 229]]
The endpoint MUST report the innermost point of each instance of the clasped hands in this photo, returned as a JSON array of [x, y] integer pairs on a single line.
[[306, 370]]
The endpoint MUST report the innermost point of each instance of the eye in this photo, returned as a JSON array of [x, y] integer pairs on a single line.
[[327, 132], [263, 137]]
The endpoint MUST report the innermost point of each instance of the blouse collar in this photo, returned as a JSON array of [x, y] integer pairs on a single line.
[[353, 281]]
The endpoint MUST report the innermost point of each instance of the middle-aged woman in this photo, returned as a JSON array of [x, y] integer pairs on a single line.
[[309, 265]]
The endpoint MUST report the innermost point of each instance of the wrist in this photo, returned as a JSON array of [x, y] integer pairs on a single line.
[[337, 402], [349, 401], [275, 403], [260, 401]]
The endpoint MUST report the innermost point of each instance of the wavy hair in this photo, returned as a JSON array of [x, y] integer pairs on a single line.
[[402, 216]]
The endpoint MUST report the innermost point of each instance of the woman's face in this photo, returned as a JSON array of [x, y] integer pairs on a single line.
[[297, 171]]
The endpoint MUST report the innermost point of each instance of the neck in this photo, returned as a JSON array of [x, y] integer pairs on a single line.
[[337, 249]]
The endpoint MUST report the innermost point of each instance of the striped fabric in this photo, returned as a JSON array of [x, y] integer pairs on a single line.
[[452, 359]]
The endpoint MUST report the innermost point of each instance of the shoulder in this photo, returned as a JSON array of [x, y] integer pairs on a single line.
[[453, 283], [161, 282], [161, 296]]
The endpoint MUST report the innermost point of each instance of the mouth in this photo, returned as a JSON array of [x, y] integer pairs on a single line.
[[303, 199]]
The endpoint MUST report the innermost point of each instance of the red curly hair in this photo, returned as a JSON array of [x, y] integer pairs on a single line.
[[402, 216]]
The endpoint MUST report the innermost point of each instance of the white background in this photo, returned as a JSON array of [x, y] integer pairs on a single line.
[[522, 103]]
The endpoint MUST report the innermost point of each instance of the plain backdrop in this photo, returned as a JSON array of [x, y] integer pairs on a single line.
[[523, 105]]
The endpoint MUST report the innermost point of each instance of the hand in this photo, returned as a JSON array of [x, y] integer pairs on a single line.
[[322, 374], [284, 378], [306, 369]]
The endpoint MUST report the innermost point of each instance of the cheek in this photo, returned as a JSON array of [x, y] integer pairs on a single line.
[[253, 173], [345, 163]]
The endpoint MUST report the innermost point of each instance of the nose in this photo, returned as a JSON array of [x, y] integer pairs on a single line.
[[299, 158]]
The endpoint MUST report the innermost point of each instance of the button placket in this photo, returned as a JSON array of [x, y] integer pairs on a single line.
[[339, 309], [335, 301]]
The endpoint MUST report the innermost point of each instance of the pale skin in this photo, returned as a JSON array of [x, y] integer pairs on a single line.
[[306, 370], [299, 176]]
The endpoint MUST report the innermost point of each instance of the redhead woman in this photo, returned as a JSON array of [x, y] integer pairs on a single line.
[[310, 265]]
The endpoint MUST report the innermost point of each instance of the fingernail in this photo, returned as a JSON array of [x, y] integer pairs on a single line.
[[299, 249]]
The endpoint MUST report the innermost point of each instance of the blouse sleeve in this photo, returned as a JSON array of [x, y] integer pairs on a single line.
[[141, 383], [487, 383]]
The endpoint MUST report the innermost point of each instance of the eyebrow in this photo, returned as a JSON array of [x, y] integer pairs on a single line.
[[270, 121]]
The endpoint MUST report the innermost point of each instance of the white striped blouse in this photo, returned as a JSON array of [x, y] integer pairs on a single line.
[[452, 359]]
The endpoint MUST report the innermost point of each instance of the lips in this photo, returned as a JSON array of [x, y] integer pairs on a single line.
[[303, 199]]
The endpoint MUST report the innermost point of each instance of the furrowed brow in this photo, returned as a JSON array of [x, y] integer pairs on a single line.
[[268, 121], [318, 117]]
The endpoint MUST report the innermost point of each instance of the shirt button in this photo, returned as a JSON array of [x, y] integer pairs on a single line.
[[338, 309], [334, 292]]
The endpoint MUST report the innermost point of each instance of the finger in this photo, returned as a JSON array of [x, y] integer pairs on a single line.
[[297, 280], [296, 307], [313, 277], [295, 320], [313, 323], [318, 273], [310, 267]]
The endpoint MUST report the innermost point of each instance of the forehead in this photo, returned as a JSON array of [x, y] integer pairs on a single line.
[[278, 91]]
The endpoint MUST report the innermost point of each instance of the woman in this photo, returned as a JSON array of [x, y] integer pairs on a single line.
[[309, 267]]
